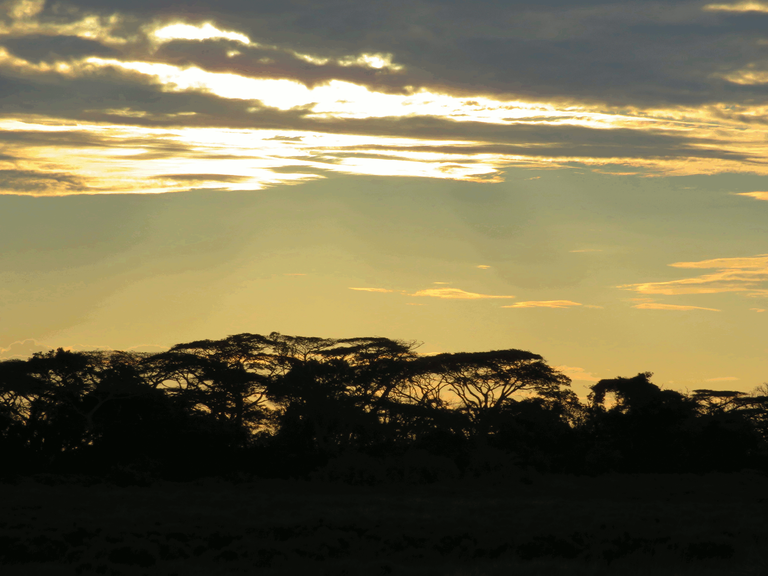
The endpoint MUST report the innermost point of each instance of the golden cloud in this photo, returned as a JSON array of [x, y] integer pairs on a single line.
[[738, 7], [455, 294], [382, 290], [755, 195], [740, 274], [658, 306], [205, 31], [544, 304]]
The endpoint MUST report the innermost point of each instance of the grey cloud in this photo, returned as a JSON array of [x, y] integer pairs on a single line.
[[37, 48], [92, 97], [286, 138], [620, 52], [35, 182], [211, 55], [67, 99], [673, 149]]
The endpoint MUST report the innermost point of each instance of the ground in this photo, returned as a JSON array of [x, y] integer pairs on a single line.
[[529, 524]]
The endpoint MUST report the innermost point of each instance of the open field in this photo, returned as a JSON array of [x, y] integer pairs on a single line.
[[532, 524]]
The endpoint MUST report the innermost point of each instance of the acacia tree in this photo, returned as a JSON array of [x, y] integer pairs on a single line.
[[338, 392], [226, 378], [58, 396], [485, 381]]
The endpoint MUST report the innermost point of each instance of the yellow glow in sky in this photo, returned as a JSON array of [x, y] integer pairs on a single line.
[[544, 304], [657, 306], [206, 31], [738, 7]]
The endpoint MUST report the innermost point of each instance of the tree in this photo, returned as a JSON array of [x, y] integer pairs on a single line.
[[645, 427], [480, 384], [227, 378]]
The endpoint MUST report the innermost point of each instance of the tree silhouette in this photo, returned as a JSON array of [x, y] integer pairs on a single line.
[[281, 405], [480, 384]]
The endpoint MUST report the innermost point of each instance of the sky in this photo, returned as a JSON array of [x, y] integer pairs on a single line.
[[587, 180]]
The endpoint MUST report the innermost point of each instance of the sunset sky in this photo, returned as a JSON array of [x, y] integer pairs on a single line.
[[584, 179]]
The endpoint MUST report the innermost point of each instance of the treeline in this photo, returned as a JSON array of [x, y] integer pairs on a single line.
[[359, 409]]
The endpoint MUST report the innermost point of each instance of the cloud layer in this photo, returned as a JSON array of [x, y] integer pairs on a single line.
[[748, 275], [255, 94]]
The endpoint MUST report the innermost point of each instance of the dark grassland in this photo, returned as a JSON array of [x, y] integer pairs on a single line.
[[515, 522]]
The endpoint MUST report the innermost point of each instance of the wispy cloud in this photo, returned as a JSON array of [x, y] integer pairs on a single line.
[[755, 195], [443, 293], [722, 379], [577, 374], [659, 306], [758, 309], [23, 349], [382, 290], [483, 266], [740, 274], [456, 294], [544, 304], [738, 7], [587, 250]]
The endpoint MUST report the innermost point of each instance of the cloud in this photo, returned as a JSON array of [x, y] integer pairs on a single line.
[[577, 374], [483, 266], [23, 349], [38, 183], [544, 304], [383, 290], [206, 31], [722, 379], [150, 348], [738, 7], [443, 293], [586, 250], [455, 294], [739, 274], [755, 195], [38, 48], [427, 90], [657, 306], [758, 310]]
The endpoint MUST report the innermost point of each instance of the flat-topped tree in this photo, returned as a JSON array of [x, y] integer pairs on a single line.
[[480, 384], [228, 377]]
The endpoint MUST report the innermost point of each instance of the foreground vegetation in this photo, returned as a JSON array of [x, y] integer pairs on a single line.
[[520, 523], [290, 455], [362, 410]]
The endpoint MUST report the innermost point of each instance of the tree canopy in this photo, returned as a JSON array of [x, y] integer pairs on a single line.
[[276, 405]]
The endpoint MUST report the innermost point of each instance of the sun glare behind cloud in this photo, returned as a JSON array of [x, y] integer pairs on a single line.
[[206, 31]]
